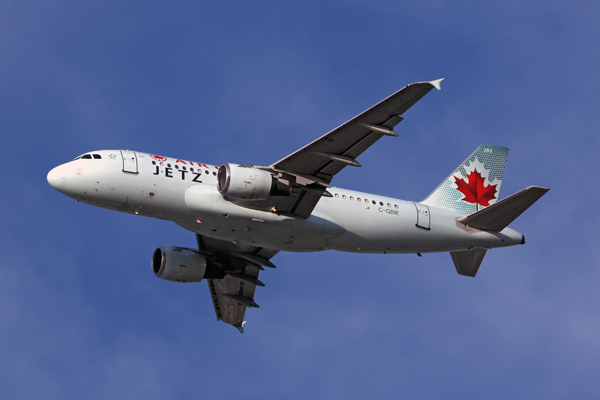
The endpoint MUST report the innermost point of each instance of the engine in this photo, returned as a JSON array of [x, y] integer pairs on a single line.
[[246, 183], [178, 265]]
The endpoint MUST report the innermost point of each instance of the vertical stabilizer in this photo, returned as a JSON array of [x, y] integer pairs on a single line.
[[475, 184]]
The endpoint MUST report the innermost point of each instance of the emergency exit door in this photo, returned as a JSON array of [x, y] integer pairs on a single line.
[[130, 163]]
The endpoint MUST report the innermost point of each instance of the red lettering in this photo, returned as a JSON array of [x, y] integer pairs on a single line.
[[197, 163], [181, 161]]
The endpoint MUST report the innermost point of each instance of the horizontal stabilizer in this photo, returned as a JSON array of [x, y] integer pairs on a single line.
[[497, 216], [467, 262]]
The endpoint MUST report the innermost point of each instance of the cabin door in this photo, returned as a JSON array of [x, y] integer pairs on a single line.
[[130, 162]]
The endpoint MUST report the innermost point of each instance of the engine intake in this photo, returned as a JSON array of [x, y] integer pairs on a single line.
[[246, 183], [178, 265]]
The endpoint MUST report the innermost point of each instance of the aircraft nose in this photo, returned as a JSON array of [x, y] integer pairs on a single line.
[[57, 177]]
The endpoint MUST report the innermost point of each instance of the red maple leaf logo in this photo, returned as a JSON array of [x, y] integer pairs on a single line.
[[474, 191]]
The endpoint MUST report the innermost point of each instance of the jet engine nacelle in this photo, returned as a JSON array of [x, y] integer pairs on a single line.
[[178, 265], [243, 182]]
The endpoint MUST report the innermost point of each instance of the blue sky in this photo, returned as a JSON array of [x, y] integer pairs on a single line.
[[82, 316]]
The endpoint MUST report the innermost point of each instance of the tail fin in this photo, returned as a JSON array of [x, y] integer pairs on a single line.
[[475, 184]]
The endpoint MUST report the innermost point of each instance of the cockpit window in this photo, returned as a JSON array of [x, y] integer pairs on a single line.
[[97, 156], [86, 156], [77, 158]]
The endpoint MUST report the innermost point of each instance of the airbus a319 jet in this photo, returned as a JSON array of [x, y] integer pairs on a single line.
[[243, 215]]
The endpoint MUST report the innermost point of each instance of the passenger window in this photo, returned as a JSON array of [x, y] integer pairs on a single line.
[[207, 172], [358, 199], [344, 196], [97, 157], [87, 157], [176, 166], [374, 202], [214, 173], [366, 200], [168, 165], [192, 169], [389, 205], [381, 203], [337, 195], [352, 198], [153, 162], [395, 205]]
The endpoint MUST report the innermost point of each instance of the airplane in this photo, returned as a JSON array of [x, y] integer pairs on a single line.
[[243, 215]]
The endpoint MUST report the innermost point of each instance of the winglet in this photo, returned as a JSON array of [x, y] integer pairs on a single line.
[[241, 327], [437, 83]]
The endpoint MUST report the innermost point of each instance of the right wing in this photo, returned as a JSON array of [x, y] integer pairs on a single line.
[[234, 292], [309, 170], [329, 154]]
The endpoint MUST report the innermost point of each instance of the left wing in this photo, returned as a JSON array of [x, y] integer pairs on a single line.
[[232, 294], [309, 170]]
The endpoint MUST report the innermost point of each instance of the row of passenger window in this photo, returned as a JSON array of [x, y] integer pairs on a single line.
[[366, 201], [207, 172], [89, 157]]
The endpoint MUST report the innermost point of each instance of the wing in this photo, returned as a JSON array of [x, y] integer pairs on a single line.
[[234, 291], [309, 170]]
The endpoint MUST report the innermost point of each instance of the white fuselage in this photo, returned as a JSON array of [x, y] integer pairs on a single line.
[[185, 192]]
